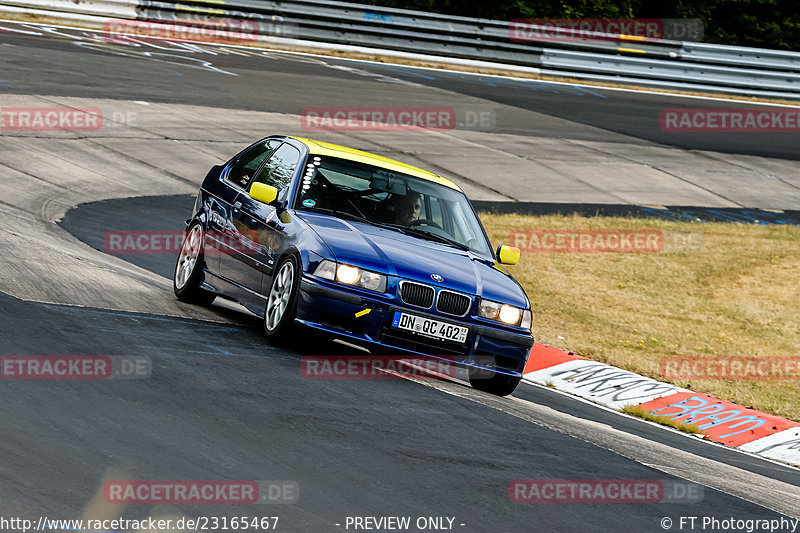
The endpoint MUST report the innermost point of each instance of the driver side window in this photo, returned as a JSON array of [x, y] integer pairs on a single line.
[[245, 166]]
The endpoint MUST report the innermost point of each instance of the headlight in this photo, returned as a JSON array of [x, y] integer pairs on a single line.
[[508, 314], [489, 309], [347, 274], [372, 281], [326, 269], [350, 275]]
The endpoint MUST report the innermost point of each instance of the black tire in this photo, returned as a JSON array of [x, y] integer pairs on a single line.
[[188, 273], [492, 382], [278, 327]]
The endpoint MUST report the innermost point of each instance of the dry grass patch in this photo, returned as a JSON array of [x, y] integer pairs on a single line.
[[737, 297], [641, 413]]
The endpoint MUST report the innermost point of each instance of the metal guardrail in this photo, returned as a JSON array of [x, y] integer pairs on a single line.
[[741, 56], [732, 77], [665, 63]]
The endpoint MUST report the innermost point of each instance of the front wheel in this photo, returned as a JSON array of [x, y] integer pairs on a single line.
[[282, 300], [492, 382], [189, 269]]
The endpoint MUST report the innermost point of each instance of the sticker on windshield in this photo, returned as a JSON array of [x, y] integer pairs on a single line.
[[309, 202]]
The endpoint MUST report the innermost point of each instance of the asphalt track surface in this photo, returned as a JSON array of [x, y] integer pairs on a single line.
[[223, 404], [90, 222], [62, 65]]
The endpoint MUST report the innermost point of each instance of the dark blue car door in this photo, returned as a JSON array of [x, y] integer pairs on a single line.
[[235, 179], [258, 227]]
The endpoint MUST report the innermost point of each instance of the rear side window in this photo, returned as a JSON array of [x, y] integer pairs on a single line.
[[245, 166], [280, 168]]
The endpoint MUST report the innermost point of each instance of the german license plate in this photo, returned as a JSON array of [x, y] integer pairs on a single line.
[[429, 327]]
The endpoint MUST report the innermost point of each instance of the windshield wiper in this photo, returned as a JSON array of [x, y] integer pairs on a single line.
[[410, 230]]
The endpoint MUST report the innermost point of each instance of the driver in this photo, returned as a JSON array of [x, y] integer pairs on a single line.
[[407, 208]]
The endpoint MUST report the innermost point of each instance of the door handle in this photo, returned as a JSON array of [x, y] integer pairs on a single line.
[[237, 206]]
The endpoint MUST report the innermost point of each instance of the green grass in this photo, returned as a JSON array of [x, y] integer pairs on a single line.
[[641, 413], [736, 297]]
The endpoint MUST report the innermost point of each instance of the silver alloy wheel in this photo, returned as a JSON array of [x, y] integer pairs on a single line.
[[279, 296], [190, 252]]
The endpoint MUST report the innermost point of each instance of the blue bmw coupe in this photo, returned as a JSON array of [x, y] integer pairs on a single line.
[[361, 247]]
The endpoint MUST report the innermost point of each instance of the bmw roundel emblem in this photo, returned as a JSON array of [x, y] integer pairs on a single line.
[[437, 277]]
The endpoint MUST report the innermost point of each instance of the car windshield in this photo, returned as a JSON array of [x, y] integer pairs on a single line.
[[391, 199]]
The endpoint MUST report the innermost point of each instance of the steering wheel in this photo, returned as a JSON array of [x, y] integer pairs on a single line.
[[425, 222]]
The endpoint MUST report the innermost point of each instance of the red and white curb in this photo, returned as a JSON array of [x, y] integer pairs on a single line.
[[720, 421]]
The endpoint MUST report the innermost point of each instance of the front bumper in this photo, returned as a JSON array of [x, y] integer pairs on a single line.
[[341, 310]]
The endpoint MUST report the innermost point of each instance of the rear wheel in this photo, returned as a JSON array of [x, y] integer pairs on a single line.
[[282, 300], [189, 269], [492, 382]]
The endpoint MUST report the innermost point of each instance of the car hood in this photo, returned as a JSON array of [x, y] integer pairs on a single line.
[[410, 257]]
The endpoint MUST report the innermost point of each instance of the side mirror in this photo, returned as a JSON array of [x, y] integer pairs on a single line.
[[261, 192], [507, 255]]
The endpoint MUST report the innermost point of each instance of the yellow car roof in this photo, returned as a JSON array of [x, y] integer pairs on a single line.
[[343, 152]]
